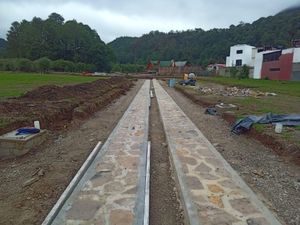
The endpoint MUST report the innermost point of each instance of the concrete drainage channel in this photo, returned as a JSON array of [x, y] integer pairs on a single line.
[[165, 207], [123, 184]]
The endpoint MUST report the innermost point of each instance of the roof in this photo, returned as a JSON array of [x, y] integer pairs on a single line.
[[243, 45], [180, 63], [165, 63], [154, 61]]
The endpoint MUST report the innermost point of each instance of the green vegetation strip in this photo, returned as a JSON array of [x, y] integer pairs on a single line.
[[16, 84]]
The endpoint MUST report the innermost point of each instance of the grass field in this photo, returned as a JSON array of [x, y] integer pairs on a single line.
[[284, 87], [16, 84]]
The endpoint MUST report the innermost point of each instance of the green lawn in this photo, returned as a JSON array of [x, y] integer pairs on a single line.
[[291, 88], [16, 84]]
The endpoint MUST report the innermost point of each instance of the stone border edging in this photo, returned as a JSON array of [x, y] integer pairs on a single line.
[[72, 185]]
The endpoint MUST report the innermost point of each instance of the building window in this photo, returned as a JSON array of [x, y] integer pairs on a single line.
[[238, 62], [273, 56], [239, 51], [274, 69]]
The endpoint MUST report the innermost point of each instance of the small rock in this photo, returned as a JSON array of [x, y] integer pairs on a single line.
[[251, 222], [164, 144], [30, 181], [259, 173], [19, 205], [41, 173]]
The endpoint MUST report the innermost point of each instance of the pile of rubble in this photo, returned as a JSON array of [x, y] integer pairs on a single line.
[[233, 91]]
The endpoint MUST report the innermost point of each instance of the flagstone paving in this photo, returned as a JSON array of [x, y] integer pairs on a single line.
[[211, 191], [112, 191]]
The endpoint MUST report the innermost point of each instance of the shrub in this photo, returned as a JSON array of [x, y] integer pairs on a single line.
[[43, 64], [244, 72], [24, 65], [233, 72]]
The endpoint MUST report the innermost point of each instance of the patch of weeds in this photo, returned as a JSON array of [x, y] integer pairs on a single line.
[[297, 128], [286, 135], [259, 127], [4, 121]]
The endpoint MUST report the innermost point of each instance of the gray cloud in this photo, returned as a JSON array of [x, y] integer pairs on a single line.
[[114, 18]]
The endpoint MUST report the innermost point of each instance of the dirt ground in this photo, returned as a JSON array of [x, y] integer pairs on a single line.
[[165, 208], [55, 162], [275, 179]]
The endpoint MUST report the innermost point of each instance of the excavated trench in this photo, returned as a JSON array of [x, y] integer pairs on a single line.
[[165, 207]]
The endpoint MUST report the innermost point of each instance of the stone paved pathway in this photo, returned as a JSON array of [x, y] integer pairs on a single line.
[[211, 191], [112, 190]]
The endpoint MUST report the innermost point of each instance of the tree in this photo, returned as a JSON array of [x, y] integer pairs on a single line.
[[56, 18], [55, 39]]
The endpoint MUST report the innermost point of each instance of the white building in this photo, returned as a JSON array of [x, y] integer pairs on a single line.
[[241, 55]]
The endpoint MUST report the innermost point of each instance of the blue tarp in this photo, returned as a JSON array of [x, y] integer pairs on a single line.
[[245, 124], [27, 130]]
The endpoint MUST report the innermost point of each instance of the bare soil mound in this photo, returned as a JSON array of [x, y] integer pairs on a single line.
[[56, 106]]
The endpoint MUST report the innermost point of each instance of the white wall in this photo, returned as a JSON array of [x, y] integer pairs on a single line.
[[228, 61], [258, 65], [296, 58], [246, 56]]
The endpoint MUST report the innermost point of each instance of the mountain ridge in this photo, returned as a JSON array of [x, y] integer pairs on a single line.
[[204, 47]]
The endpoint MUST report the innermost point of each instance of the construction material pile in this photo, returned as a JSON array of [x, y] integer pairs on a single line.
[[233, 91]]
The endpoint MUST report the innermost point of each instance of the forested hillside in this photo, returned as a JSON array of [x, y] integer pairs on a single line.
[[58, 40], [203, 47]]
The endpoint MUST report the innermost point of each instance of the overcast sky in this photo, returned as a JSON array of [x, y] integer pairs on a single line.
[[115, 18]]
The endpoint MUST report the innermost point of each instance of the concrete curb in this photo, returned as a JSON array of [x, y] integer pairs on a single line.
[[70, 188], [147, 187]]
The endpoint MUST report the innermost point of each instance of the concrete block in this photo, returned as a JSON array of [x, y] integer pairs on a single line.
[[12, 145], [221, 108]]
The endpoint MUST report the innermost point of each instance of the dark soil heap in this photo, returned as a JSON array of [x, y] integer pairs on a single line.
[[56, 106]]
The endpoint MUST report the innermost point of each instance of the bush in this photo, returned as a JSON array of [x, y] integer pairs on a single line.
[[42, 64], [3, 64], [233, 72], [24, 65], [8, 65], [58, 65], [244, 72], [68, 66], [80, 67]]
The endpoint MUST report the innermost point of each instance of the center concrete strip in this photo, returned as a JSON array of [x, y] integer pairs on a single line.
[[212, 192], [112, 191]]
